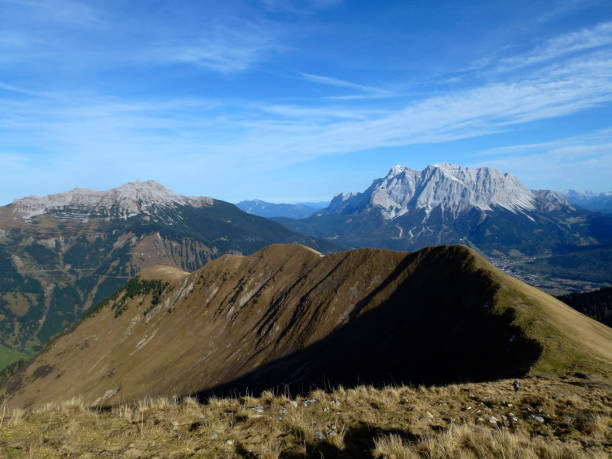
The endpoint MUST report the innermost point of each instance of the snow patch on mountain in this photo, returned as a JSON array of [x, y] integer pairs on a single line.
[[131, 199]]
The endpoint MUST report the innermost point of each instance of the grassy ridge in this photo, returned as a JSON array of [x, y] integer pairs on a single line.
[[547, 418], [279, 318]]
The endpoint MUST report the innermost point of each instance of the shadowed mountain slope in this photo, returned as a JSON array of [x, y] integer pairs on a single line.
[[288, 316]]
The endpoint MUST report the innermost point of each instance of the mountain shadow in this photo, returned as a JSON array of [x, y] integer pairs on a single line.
[[425, 333]]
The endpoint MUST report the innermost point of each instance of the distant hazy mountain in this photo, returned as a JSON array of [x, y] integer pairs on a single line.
[[597, 202], [482, 208], [270, 210], [62, 253]]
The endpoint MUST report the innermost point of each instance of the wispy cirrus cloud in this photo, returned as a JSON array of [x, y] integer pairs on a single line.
[[198, 139], [564, 8], [19, 90], [506, 59], [225, 48], [601, 139], [72, 34], [321, 113], [561, 160], [298, 7], [63, 11], [363, 91], [555, 91], [583, 40], [330, 81], [239, 133]]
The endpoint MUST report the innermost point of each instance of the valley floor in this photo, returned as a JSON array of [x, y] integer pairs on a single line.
[[547, 418], [525, 269]]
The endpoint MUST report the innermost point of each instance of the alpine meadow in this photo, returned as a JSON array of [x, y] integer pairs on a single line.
[[305, 229]]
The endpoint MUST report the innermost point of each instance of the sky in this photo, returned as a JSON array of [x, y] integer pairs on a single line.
[[297, 100]]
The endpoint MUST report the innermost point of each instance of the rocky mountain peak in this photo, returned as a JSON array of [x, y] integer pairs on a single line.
[[125, 201], [397, 169], [450, 187]]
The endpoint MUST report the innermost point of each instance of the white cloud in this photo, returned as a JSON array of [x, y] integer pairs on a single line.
[[298, 7], [340, 83], [582, 40], [564, 8], [18, 90], [321, 113], [63, 11], [601, 138], [323, 4], [272, 135], [553, 92], [225, 48], [85, 133], [562, 163], [66, 34]]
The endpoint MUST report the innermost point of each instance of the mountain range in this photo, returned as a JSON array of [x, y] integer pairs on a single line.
[[290, 317], [61, 254], [482, 208], [270, 210], [596, 202]]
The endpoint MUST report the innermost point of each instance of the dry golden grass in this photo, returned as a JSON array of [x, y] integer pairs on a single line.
[[392, 422], [168, 273], [467, 441]]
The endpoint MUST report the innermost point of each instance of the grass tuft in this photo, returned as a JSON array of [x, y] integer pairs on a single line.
[[548, 418]]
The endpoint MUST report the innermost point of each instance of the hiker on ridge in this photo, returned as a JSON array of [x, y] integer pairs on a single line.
[[517, 385]]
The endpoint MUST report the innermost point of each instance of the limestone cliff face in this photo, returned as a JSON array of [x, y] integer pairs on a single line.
[[289, 316], [452, 188]]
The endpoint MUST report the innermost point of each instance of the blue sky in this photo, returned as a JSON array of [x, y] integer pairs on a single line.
[[297, 100]]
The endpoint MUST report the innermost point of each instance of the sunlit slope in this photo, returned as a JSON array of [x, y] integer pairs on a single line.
[[570, 339], [62, 254], [286, 315]]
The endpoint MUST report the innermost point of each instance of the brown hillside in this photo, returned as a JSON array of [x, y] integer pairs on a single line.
[[287, 316], [56, 265]]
